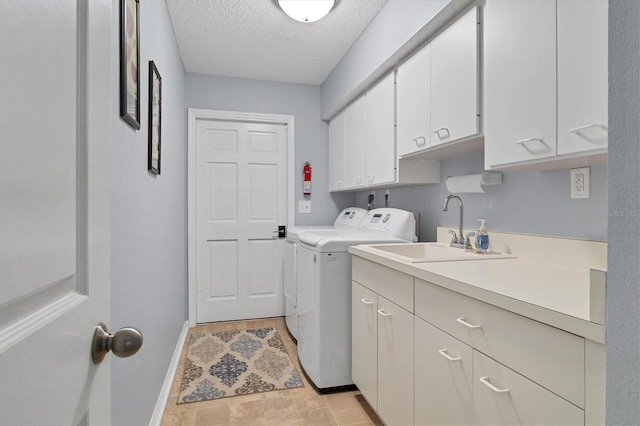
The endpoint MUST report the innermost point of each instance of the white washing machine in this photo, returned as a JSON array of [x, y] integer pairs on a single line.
[[324, 291], [347, 219]]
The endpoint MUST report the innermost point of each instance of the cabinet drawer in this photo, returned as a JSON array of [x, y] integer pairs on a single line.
[[389, 283], [549, 356], [505, 397]]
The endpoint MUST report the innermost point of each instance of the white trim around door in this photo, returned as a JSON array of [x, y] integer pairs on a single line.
[[193, 115]]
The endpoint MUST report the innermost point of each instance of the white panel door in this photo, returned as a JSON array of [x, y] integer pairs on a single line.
[[380, 144], [54, 237], [240, 202], [519, 80], [454, 81], [582, 75]]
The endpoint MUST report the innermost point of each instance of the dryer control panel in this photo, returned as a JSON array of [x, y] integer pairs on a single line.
[[349, 218], [395, 222]]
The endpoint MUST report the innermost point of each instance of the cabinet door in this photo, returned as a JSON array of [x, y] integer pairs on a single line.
[[380, 150], [443, 378], [414, 103], [355, 133], [364, 342], [336, 152], [454, 81], [582, 75], [395, 363], [504, 397], [519, 80]]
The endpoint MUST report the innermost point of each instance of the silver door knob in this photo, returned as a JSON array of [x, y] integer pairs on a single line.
[[123, 343]]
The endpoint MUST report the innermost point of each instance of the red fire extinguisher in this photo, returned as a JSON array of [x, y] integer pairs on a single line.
[[306, 179]]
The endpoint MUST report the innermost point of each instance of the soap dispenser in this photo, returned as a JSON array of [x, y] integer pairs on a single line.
[[482, 236]]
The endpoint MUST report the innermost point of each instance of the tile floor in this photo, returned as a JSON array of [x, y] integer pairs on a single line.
[[303, 406]]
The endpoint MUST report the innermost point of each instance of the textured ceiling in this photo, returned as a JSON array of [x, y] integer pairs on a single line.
[[255, 39]]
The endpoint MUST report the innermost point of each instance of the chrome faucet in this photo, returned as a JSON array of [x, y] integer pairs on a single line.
[[458, 241]]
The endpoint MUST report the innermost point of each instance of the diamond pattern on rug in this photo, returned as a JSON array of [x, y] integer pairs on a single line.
[[238, 362]]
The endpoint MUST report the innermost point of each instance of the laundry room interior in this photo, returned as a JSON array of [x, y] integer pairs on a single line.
[[528, 202], [407, 212]]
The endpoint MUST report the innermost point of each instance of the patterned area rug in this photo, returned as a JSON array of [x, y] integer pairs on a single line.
[[237, 362]]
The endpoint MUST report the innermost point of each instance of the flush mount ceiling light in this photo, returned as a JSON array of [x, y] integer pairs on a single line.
[[306, 10]]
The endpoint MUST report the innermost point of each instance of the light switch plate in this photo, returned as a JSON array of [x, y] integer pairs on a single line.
[[304, 206], [581, 182]]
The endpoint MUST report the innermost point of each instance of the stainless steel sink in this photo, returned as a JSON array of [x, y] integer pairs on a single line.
[[433, 252]]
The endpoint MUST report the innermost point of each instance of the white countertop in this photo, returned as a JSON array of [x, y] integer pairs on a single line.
[[567, 297]]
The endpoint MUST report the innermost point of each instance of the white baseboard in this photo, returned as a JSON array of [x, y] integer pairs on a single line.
[[156, 418]]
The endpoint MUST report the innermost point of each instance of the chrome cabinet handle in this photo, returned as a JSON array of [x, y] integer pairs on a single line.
[[366, 302], [371, 178], [466, 324], [445, 133], [578, 131], [488, 384], [523, 143], [123, 343], [424, 141], [383, 313], [444, 353]]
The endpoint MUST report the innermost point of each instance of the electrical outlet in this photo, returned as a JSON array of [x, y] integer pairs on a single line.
[[581, 182], [304, 206]]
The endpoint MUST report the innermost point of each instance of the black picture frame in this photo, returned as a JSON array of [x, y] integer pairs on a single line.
[[130, 62], [155, 119]]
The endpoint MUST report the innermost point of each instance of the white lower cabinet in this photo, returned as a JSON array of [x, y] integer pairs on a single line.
[[426, 355], [364, 342], [504, 397], [395, 363], [443, 377]]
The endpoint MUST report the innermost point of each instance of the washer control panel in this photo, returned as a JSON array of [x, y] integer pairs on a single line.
[[396, 222]]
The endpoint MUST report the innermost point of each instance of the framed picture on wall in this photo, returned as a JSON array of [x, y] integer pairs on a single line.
[[129, 60], [155, 118]]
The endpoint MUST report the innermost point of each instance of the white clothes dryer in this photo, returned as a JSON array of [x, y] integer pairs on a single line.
[[324, 292], [347, 219]]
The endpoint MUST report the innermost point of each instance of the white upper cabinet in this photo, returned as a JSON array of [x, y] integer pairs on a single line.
[[545, 83], [454, 81], [336, 152], [364, 153], [380, 152], [414, 126], [437, 93], [582, 75], [519, 80], [355, 134]]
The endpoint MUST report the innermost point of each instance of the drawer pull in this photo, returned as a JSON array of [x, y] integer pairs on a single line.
[[366, 302], [466, 324], [444, 353], [424, 141], [383, 313], [490, 386]]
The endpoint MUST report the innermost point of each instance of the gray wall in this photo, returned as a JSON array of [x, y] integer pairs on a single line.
[[527, 202], [148, 222], [623, 278], [311, 133]]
